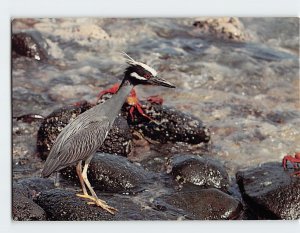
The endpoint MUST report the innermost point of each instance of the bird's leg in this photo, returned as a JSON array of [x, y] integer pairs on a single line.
[[56, 182], [95, 200], [79, 171], [82, 182]]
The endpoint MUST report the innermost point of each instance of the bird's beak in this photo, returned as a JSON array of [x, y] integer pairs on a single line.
[[160, 82]]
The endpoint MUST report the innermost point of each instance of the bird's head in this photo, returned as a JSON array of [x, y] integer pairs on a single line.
[[140, 73]]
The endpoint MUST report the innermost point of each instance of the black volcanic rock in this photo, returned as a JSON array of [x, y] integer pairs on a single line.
[[23, 208], [112, 173], [168, 125], [27, 45], [270, 191], [201, 204], [201, 171], [63, 205], [30, 187]]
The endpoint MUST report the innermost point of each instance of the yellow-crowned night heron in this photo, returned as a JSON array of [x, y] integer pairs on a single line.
[[80, 139]]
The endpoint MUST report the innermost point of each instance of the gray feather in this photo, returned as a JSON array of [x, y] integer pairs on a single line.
[[84, 135], [76, 146]]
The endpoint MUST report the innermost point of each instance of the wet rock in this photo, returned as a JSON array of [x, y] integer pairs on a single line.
[[22, 132], [112, 173], [118, 140], [64, 205], [23, 208], [202, 204], [270, 192], [29, 118], [24, 139], [199, 171], [31, 187], [169, 125], [25, 44], [228, 28], [130, 209]]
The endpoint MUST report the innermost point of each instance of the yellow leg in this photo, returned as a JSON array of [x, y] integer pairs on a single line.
[[56, 182], [94, 199], [79, 173]]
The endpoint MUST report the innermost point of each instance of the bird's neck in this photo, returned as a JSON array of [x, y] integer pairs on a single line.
[[120, 97], [123, 91]]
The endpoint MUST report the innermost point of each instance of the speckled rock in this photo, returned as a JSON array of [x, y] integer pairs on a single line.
[[29, 118], [24, 209], [64, 205], [31, 187], [270, 191], [112, 173], [169, 125], [24, 44], [228, 28], [199, 171], [202, 204], [118, 140], [24, 139]]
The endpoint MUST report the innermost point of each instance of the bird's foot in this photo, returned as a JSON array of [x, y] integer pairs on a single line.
[[103, 205], [98, 202], [86, 196]]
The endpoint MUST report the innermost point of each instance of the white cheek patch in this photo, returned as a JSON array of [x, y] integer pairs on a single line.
[[135, 75]]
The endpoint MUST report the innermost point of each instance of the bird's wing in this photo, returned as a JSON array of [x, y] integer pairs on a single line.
[[77, 146]]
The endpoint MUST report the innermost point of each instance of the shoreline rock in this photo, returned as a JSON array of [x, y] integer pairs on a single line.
[[270, 192], [200, 171]]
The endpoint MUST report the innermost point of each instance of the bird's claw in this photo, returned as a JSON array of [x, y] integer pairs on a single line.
[[98, 202], [85, 196], [103, 205]]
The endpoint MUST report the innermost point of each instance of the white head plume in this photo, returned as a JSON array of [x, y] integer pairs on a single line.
[[131, 61]]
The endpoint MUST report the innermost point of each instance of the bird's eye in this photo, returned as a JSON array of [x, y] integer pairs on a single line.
[[147, 76]]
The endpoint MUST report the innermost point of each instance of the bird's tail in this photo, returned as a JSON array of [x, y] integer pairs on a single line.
[[49, 167]]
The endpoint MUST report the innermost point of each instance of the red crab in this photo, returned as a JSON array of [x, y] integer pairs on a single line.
[[295, 160], [132, 100], [155, 99]]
